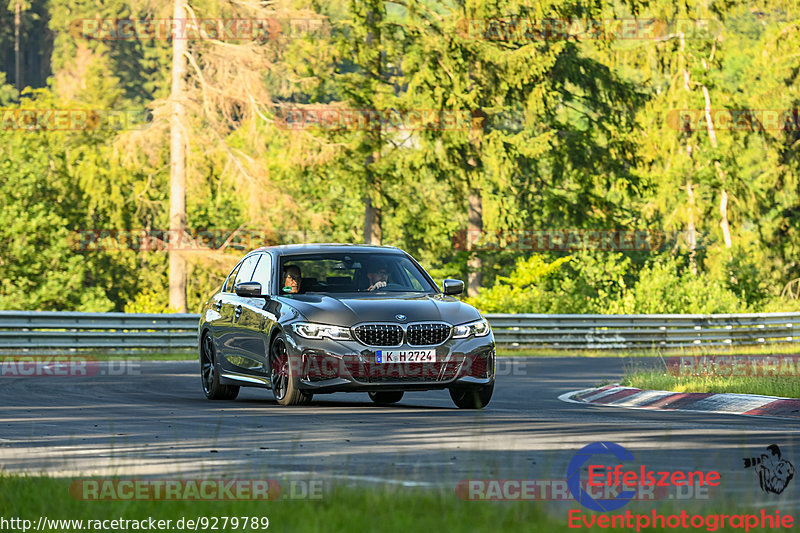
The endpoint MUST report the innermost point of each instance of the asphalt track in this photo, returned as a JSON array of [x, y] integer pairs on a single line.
[[154, 421]]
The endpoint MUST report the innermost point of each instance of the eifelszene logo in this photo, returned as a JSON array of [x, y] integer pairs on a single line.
[[574, 476], [774, 472], [614, 476]]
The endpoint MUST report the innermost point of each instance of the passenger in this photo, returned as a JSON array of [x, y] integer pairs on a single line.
[[291, 279]]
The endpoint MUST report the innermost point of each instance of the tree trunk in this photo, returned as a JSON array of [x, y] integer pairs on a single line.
[[474, 228], [691, 230], [372, 214], [17, 48], [690, 227], [723, 213], [712, 135], [177, 178], [372, 222]]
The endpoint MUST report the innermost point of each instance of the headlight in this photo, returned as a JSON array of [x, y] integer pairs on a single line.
[[479, 328], [321, 331]]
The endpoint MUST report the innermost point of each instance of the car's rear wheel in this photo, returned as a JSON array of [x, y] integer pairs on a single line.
[[284, 376], [209, 373], [472, 398], [385, 397]]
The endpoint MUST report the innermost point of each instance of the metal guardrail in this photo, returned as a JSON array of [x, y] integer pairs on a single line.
[[643, 331], [54, 330], [45, 330]]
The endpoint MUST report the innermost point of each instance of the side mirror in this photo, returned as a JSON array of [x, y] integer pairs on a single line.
[[249, 289], [452, 286]]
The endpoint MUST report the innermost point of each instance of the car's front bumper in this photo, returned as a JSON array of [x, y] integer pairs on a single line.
[[349, 366]]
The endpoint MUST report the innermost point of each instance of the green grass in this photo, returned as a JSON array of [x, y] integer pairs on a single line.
[[774, 377], [760, 349], [786, 386], [340, 508]]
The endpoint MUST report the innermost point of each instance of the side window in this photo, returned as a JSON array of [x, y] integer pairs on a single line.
[[263, 273], [412, 278], [232, 276], [246, 272]]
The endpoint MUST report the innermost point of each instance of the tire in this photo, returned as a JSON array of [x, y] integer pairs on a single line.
[[209, 373], [472, 398], [283, 376], [386, 397]]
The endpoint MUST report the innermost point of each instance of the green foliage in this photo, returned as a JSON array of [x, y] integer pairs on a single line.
[[523, 290], [596, 283], [8, 93], [565, 134], [59, 183], [148, 301], [668, 287]]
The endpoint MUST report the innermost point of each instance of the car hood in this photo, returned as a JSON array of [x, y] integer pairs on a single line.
[[351, 309]]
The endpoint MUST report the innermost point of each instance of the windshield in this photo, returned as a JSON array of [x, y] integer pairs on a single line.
[[367, 273]]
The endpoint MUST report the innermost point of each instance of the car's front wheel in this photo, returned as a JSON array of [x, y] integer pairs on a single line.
[[284, 374], [386, 397], [209, 374], [477, 398]]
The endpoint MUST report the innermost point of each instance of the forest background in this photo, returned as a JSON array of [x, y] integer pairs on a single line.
[[561, 156]]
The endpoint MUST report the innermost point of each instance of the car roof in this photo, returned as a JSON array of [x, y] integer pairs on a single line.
[[287, 249]]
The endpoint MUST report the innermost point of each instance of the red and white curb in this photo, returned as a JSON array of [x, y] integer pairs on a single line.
[[704, 402]]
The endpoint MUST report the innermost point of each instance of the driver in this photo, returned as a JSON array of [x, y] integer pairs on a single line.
[[377, 273], [291, 279]]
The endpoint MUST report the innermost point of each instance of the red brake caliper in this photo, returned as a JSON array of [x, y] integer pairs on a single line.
[[279, 366]]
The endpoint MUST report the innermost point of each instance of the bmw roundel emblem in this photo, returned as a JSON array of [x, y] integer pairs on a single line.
[[400, 317]]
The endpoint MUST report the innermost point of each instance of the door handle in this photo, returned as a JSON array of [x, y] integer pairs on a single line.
[[238, 311]]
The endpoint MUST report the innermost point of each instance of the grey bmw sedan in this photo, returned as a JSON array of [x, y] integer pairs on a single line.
[[322, 318]]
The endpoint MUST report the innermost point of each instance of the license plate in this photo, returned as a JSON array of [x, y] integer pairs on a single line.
[[405, 356]]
